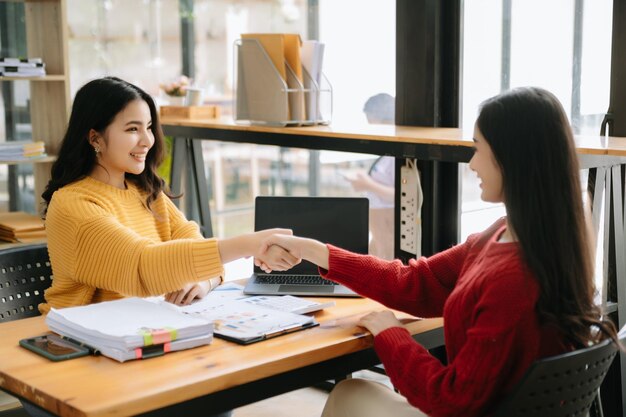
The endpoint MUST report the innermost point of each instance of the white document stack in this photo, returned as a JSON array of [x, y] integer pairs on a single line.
[[22, 67], [312, 55], [131, 328]]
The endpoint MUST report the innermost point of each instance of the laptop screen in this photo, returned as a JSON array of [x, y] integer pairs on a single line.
[[340, 221]]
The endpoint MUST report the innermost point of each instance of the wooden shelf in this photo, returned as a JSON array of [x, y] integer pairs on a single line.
[[44, 78], [45, 24], [46, 38], [42, 160], [28, 1]]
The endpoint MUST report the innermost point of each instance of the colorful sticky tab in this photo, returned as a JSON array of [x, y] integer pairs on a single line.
[[158, 336], [152, 351]]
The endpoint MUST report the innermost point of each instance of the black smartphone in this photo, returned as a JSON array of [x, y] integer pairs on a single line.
[[54, 347]]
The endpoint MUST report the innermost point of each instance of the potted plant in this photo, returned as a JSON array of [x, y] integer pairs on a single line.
[[176, 90]]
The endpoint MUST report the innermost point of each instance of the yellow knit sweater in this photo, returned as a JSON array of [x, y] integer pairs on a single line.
[[104, 244]]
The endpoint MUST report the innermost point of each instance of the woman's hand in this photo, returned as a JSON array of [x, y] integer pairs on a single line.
[[379, 321], [190, 292], [299, 247], [246, 245], [291, 244], [275, 258], [261, 235]]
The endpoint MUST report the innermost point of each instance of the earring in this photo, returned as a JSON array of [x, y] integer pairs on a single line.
[[97, 149]]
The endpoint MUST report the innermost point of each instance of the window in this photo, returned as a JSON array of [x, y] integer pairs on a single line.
[[360, 58], [561, 45], [137, 40]]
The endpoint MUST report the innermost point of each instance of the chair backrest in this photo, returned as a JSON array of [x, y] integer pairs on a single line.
[[562, 385], [25, 273]]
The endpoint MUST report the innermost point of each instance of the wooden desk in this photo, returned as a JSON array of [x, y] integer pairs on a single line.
[[398, 141], [208, 379], [616, 146]]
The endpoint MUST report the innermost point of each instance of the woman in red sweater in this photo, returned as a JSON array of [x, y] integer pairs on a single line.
[[519, 291]]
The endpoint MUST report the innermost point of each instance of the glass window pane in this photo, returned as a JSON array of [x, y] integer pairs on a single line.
[[359, 59], [596, 65], [540, 55], [482, 55], [548, 48], [137, 40]]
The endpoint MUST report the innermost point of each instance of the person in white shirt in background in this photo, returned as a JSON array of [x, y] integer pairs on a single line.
[[378, 183]]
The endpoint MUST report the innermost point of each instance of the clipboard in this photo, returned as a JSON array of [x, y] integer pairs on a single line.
[[248, 341], [244, 323]]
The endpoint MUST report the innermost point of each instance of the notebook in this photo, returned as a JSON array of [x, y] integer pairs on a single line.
[[241, 322], [341, 221]]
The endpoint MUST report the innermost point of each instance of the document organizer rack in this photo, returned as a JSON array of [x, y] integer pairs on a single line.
[[263, 97]]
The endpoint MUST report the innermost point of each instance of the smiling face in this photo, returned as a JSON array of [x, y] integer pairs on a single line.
[[124, 145], [484, 164]]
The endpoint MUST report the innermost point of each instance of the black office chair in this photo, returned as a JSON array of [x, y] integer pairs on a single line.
[[562, 385], [25, 273]]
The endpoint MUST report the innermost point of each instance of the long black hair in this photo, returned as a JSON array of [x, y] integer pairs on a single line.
[[532, 142], [95, 106]]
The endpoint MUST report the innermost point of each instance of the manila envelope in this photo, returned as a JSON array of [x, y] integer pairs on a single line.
[[274, 45]]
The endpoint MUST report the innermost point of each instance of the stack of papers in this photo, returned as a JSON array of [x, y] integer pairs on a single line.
[[18, 226], [312, 56], [131, 328], [22, 67], [21, 150]]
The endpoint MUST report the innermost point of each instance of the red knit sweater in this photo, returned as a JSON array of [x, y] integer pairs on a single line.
[[487, 297]]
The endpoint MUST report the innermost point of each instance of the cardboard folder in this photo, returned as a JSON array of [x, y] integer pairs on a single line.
[[274, 45], [293, 44], [284, 51]]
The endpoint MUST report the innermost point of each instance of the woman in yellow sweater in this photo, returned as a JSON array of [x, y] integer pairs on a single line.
[[112, 230]]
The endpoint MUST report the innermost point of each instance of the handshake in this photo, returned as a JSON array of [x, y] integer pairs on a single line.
[[274, 252], [279, 250]]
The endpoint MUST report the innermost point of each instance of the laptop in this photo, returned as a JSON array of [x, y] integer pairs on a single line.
[[341, 221]]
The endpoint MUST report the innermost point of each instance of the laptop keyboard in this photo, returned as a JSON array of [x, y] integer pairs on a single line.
[[293, 280]]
